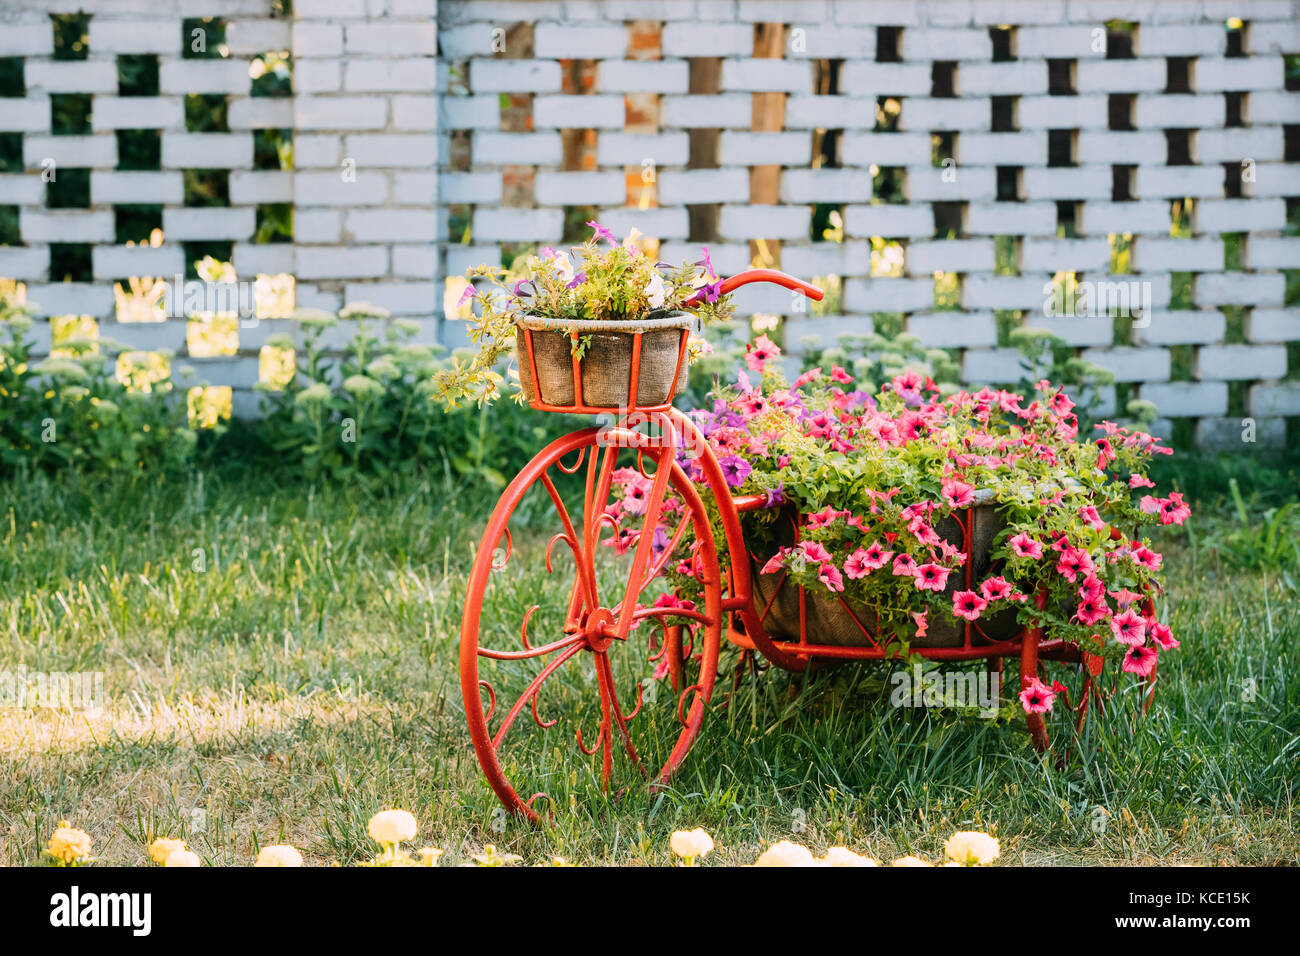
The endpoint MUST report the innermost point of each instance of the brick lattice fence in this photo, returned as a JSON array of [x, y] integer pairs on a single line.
[[938, 165]]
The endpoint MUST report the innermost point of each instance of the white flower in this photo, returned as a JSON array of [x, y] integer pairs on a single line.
[[182, 858], [786, 853], [392, 826], [843, 856], [691, 843], [910, 861], [279, 855], [656, 292], [972, 849], [564, 266]]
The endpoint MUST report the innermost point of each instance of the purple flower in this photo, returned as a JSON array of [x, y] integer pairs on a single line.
[[518, 286], [735, 469], [465, 296], [548, 252], [708, 264], [776, 496], [601, 232], [577, 280], [660, 540], [712, 291]]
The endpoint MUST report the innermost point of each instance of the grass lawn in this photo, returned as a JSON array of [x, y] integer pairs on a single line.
[[284, 661]]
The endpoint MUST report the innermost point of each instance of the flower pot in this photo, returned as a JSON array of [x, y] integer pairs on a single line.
[[648, 355], [831, 622]]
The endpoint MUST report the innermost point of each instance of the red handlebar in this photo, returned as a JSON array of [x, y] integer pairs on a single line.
[[761, 275]]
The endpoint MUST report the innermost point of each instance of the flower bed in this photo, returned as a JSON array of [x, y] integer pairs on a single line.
[[877, 481]]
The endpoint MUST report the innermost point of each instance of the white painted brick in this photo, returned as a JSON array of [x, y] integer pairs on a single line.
[[921, 113], [1002, 149], [888, 295], [1230, 433], [885, 148], [950, 255], [1238, 73], [262, 258], [644, 76], [1181, 327], [30, 115], [782, 11], [200, 76], [1236, 362], [1273, 253], [326, 262], [392, 39], [1274, 106], [207, 150], [142, 35], [947, 330], [767, 75], [1141, 217], [1016, 78], [419, 188], [1178, 181], [24, 262], [991, 366], [830, 112], [1179, 110], [415, 261], [330, 189], [1281, 399], [703, 186], [528, 149], [890, 221], [518, 225], [228, 371], [1064, 112], [727, 258], [70, 151], [1165, 253], [568, 41], [1183, 39], [23, 190], [183, 225], [764, 222], [1121, 148], [833, 258], [1011, 219], [1280, 36], [65, 225], [411, 74], [1261, 143], [390, 225], [261, 112], [71, 76], [997, 12], [578, 112], [825, 186], [389, 150], [1121, 76], [480, 111], [1004, 292], [27, 39], [1240, 288], [1132, 364], [340, 112], [73, 298], [317, 76], [251, 187], [1273, 325], [707, 39], [579, 188], [399, 298], [823, 41], [316, 39], [473, 187], [108, 186], [764, 149], [722, 110], [254, 37], [137, 112], [1275, 179], [317, 225], [119, 262], [867, 78], [1056, 42], [1076, 330], [462, 258], [514, 76], [462, 42], [928, 44], [633, 149], [972, 184], [314, 150]]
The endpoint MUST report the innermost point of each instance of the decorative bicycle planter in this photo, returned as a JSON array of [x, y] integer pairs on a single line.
[[609, 632]]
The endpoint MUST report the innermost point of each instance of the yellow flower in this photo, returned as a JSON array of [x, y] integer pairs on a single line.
[[690, 844], [390, 827], [843, 856], [163, 847], [490, 857], [279, 855], [182, 857], [429, 855], [971, 849], [911, 861], [68, 845], [786, 853]]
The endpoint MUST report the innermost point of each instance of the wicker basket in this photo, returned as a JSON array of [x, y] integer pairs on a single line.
[[830, 622], [650, 353]]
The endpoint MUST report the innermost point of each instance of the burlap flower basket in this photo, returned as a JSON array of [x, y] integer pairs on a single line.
[[829, 622], [606, 364]]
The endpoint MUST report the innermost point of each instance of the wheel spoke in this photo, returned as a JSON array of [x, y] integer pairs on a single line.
[[530, 690]]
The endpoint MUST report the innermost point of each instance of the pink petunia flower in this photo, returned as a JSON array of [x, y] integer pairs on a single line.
[[905, 564], [1091, 610], [856, 566], [775, 562], [1140, 481], [1147, 558], [1140, 660], [815, 551], [1091, 518], [995, 589], [1173, 510], [1162, 634], [876, 556], [1129, 628], [760, 352], [1037, 697], [922, 621], [839, 375], [811, 375], [958, 494], [967, 604], [830, 576], [1026, 547], [931, 577]]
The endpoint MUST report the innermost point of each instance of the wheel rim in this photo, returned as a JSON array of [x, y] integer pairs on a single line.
[[560, 624]]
